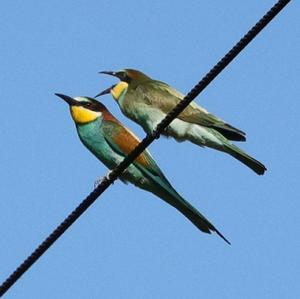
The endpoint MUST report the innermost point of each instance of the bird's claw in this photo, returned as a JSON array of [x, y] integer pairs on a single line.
[[100, 179]]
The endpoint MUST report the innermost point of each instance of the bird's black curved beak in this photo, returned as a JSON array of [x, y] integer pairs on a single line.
[[109, 73], [106, 91], [67, 99]]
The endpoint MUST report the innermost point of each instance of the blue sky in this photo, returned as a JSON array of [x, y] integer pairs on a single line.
[[130, 244]]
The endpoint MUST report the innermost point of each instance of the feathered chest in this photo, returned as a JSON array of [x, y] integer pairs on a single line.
[[91, 135], [132, 104]]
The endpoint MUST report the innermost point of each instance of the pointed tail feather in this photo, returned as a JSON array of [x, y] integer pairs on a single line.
[[175, 200], [196, 217], [165, 191], [237, 153]]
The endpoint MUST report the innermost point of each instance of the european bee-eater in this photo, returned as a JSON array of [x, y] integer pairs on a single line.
[[147, 101], [110, 141]]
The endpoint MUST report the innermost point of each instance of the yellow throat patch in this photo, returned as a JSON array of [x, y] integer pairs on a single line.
[[82, 115], [118, 89]]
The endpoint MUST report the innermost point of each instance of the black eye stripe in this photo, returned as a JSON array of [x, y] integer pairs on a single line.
[[93, 105], [123, 77], [127, 79]]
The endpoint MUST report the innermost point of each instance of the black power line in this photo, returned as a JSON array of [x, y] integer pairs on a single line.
[[113, 175]]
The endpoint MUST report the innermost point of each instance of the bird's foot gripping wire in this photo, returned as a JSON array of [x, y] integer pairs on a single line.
[[100, 179]]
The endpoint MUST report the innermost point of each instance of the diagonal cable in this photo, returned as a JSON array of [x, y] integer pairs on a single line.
[[114, 174]]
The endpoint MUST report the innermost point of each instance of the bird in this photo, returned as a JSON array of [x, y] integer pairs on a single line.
[[147, 101], [110, 141]]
